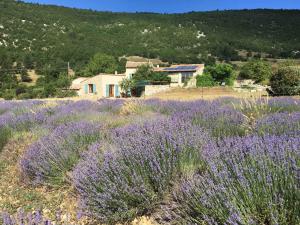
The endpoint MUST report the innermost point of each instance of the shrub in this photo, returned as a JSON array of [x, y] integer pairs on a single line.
[[284, 104], [126, 85], [66, 112], [21, 116], [279, 123], [286, 81], [112, 106], [24, 218], [50, 158], [256, 70], [220, 72], [205, 80], [251, 180], [137, 171], [219, 120]]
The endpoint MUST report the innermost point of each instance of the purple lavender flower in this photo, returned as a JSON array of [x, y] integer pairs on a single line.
[[243, 183], [50, 158], [279, 123], [132, 174]]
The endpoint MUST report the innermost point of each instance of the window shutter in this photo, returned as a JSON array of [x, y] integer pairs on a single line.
[[86, 89], [94, 88], [117, 93], [107, 91]]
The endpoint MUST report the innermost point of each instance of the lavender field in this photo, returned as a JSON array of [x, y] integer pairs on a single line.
[[226, 161]]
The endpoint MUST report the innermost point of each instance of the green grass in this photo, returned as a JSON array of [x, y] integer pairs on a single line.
[[5, 134]]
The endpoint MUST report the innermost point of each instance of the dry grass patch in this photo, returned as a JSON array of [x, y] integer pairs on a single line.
[[184, 94]]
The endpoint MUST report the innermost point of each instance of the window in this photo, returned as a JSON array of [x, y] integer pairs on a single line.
[[186, 76]]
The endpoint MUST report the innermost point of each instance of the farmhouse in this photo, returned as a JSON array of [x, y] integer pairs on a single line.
[[108, 85], [102, 85], [182, 73]]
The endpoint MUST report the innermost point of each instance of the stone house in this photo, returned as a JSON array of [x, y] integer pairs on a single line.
[[108, 85], [102, 85]]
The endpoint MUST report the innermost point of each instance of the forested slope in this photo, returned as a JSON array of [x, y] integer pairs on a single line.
[[50, 34]]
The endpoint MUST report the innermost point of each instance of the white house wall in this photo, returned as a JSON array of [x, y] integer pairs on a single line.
[[110, 80], [101, 81], [130, 71]]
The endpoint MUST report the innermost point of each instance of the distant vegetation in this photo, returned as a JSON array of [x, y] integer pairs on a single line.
[[46, 38], [219, 74], [286, 81]]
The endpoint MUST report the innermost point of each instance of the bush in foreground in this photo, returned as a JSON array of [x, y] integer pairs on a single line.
[[137, 172], [49, 159], [251, 180], [35, 218]]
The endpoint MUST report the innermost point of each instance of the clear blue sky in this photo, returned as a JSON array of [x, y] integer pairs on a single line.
[[170, 6]]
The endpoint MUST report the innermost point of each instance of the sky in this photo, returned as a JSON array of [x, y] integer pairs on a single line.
[[171, 6]]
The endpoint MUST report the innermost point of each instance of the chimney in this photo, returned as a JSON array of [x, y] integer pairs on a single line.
[[116, 72]]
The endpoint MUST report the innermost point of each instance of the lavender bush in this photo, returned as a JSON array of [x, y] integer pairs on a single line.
[[112, 106], [49, 159], [251, 180], [279, 123], [256, 108], [226, 161], [132, 176], [35, 218], [67, 112], [221, 121], [25, 117]]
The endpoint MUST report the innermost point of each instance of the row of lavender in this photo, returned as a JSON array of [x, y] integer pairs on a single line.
[[222, 162]]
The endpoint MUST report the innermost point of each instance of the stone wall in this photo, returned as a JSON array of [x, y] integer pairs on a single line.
[[154, 89]]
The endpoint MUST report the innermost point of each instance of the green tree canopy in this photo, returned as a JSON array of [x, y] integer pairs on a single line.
[[205, 80], [256, 70], [286, 81], [101, 63], [221, 73], [146, 73]]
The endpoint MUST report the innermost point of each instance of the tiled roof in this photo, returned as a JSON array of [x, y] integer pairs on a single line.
[[130, 64]]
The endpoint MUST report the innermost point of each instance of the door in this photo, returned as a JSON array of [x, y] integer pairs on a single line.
[[111, 90]]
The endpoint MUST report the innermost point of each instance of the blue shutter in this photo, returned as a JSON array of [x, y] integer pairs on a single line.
[[107, 91], [86, 89], [117, 93], [94, 88]]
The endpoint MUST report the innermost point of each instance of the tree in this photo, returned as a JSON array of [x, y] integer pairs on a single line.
[[205, 80], [146, 73], [286, 81], [126, 85], [256, 70], [101, 63], [221, 73], [28, 62]]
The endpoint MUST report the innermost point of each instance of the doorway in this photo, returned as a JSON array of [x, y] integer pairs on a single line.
[[90, 88], [111, 90]]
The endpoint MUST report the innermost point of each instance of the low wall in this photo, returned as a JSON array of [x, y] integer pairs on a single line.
[[154, 89]]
